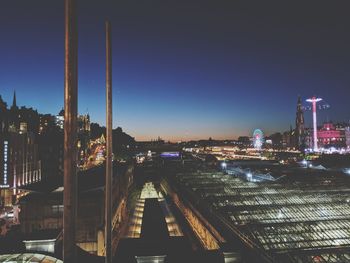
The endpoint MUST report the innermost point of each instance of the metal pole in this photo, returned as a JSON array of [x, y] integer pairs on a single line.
[[109, 168], [70, 132]]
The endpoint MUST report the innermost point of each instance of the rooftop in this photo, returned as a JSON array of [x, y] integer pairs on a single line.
[[28, 257], [294, 217]]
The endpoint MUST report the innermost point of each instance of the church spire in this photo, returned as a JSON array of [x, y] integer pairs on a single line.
[[14, 103], [299, 106]]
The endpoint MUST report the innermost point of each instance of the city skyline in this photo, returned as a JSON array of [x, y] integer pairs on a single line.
[[204, 76], [304, 109], [223, 137]]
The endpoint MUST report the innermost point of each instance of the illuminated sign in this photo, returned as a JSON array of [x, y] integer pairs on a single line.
[[170, 154], [5, 172]]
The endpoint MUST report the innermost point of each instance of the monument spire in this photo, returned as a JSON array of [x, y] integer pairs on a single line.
[[14, 102], [299, 129]]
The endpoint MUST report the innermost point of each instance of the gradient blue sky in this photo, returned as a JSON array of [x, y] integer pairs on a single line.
[[183, 69]]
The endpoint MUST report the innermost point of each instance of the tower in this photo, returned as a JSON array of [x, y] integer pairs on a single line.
[[14, 102], [299, 126], [14, 119], [314, 100]]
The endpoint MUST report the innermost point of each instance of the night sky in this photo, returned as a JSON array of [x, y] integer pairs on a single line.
[[183, 69]]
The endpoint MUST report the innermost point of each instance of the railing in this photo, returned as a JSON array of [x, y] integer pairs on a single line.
[[115, 220]]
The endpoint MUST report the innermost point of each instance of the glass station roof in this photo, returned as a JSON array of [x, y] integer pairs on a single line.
[[300, 220], [28, 257]]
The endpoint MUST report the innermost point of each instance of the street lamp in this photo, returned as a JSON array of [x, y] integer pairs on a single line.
[[224, 165]]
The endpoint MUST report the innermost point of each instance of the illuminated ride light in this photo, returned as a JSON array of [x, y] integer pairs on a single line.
[[258, 139], [314, 102]]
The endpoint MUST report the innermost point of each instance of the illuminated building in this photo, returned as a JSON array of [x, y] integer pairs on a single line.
[[22, 119], [59, 119], [329, 135], [46, 121], [276, 140], [19, 162], [5, 195], [23, 127], [288, 138], [25, 166], [4, 150], [244, 141], [84, 123], [83, 136], [347, 136]]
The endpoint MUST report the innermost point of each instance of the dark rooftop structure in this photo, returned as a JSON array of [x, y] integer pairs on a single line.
[[154, 226]]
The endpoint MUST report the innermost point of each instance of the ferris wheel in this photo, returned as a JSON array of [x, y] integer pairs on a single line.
[[258, 139]]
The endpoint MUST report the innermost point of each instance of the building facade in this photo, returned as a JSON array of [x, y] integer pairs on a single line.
[[19, 161], [331, 136]]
